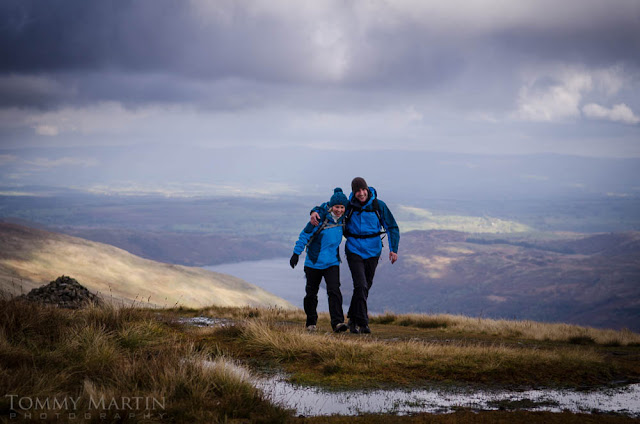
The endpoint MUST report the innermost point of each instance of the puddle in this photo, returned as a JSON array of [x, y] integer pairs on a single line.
[[206, 322], [313, 402]]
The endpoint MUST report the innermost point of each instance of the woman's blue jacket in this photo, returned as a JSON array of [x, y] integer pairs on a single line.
[[323, 251]]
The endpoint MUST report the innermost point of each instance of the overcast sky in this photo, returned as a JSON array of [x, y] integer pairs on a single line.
[[491, 76]]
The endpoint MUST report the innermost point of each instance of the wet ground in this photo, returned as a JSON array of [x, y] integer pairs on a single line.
[[206, 322], [313, 402]]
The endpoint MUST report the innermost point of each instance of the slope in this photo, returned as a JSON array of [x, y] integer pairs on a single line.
[[30, 258]]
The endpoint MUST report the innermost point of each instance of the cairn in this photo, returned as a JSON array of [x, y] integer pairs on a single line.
[[64, 292]]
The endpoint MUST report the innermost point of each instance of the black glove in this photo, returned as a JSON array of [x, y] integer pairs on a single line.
[[294, 260]]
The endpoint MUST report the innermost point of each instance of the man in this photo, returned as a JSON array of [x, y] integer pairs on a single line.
[[365, 218]]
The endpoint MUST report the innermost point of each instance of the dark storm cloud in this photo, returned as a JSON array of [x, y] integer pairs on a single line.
[[333, 66], [55, 36], [140, 52], [40, 36], [175, 37], [140, 36], [165, 51]]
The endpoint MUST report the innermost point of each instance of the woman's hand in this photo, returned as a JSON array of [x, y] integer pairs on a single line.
[[294, 260]]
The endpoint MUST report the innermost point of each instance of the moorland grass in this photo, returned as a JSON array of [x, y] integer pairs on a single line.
[[272, 314], [525, 329], [115, 353], [447, 323], [341, 361], [419, 348], [119, 353]]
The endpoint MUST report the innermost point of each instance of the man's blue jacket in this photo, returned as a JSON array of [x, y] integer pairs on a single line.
[[363, 221]]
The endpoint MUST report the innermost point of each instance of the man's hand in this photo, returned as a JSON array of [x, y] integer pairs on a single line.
[[315, 219], [293, 261], [393, 257]]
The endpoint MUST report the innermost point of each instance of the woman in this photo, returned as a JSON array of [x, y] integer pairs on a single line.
[[323, 260]]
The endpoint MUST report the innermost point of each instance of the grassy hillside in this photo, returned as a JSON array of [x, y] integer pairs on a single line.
[[205, 374], [30, 258]]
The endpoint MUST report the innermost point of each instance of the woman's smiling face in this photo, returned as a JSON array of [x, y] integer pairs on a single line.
[[337, 210]]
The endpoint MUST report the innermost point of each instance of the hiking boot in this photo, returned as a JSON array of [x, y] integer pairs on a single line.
[[312, 328], [364, 329], [340, 328], [353, 328]]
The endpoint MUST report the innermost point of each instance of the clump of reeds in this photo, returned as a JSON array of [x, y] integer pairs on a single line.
[[525, 329]]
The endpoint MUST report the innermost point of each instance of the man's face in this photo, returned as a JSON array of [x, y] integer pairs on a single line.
[[362, 195], [337, 210]]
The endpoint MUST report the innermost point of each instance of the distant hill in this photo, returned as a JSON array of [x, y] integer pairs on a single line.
[[583, 279], [31, 257]]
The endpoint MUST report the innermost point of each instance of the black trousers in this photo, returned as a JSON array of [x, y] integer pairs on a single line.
[[332, 280], [362, 273]]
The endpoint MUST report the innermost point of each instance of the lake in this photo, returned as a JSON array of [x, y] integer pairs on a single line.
[[275, 276]]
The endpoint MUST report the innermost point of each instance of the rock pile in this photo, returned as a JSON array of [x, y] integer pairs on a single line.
[[64, 292]]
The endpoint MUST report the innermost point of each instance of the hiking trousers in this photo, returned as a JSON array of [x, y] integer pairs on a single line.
[[332, 280], [362, 273]]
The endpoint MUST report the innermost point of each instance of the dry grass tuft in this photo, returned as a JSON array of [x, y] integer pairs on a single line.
[[367, 361], [241, 313], [514, 329], [110, 353]]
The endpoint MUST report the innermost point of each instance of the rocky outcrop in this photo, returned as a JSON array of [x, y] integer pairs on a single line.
[[64, 292]]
